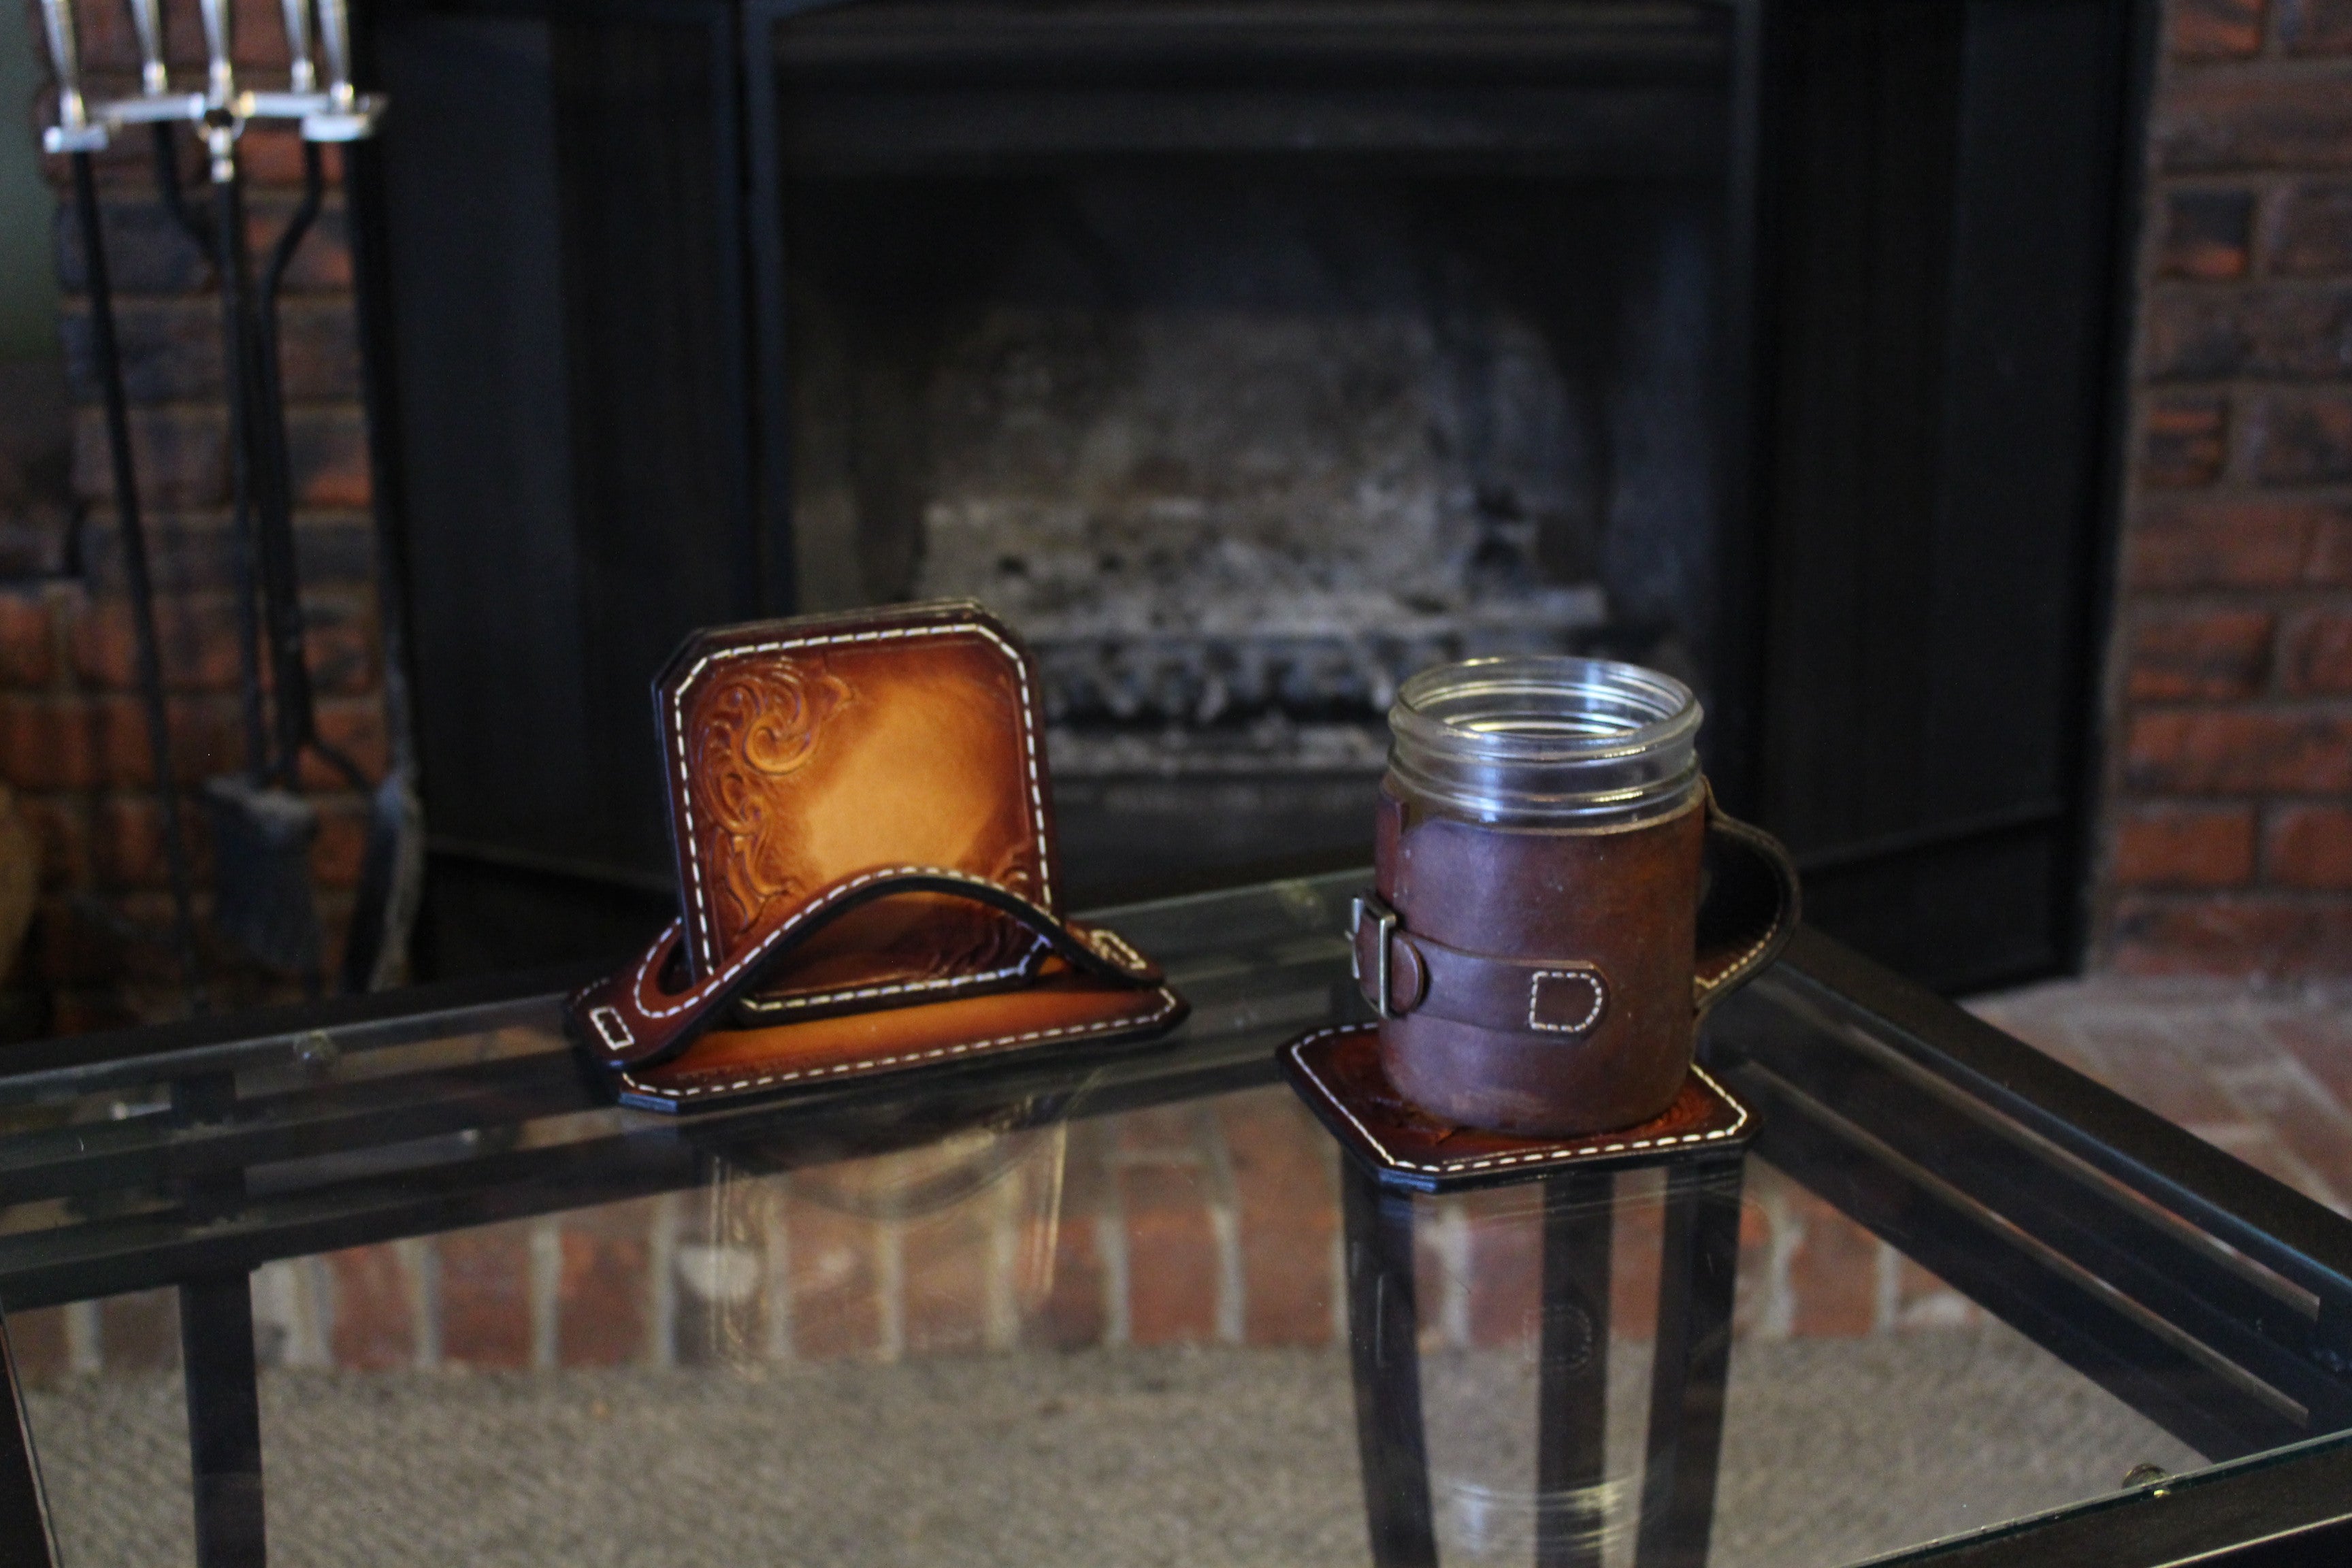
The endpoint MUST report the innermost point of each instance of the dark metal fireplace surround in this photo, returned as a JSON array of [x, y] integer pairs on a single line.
[[1248, 354]]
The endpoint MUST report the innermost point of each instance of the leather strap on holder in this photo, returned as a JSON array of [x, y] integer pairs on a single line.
[[1751, 906], [633, 1018]]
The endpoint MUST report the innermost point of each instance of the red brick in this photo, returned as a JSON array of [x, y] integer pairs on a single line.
[[126, 847], [2309, 846], [2301, 437], [2261, 118], [1070, 1312], [1167, 1131], [1288, 1200], [1505, 1264], [2184, 441], [322, 263], [27, 646], [62, 823], [108, 43], [337, 853], [374, 1319], [2314, 234], [1172, 1255], [328, 453], [274, 157], [36, 1343], [195, 644], [944, 1275], [170, 350], [2331, 550], [2229, 543], [180, 456], [2240, 751], [140, 1333], [2282, 936], [604, 1291], [2208, 653], [836, 1306], [1633, 1273], [2173, 846], [1833, 1275], [2207, 235], [2215, 29], [353, 726], [1752, 1290], [62, 742], [340, 643], [2280, 329], [486, 1296], [2315, 26], [2315, 653]]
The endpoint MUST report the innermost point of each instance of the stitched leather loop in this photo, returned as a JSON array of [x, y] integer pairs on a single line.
[[632, 1019], [1752, 906]]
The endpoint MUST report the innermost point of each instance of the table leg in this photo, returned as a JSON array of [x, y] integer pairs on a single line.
[[224, 1419], [24, 1513], [1383, 1344], [1698, 1265], [1573, 1419]]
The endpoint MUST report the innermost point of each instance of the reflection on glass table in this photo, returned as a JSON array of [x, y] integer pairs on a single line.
[[394, 1283]]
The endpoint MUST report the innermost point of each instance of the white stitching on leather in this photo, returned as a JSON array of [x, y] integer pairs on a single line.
[[1591, 977], [614, 1028], [1028, 745], [1498, 1161], [867, 992], [1167, 1005]]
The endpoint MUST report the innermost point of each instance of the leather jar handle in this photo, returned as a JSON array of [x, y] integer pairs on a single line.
[[634, 1019], [1752, 905]]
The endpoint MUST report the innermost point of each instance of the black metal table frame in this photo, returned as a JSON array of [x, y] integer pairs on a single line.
[[2211, 1298]]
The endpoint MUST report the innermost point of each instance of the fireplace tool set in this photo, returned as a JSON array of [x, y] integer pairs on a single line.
[[262, 826]]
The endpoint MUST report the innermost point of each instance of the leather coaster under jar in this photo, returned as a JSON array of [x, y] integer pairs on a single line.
[[1537, 944]]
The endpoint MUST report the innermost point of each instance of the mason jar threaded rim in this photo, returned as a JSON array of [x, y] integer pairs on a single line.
[[1545, 739]]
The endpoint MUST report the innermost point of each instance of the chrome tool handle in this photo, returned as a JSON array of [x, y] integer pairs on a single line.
[[220, 74], [73, 132], [335, 45], [147, 20], [302, 76]]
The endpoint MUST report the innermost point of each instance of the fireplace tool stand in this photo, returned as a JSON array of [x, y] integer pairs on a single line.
[[263, 827]]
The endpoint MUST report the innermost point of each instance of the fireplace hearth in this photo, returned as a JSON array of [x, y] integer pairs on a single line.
[[1248, 355]]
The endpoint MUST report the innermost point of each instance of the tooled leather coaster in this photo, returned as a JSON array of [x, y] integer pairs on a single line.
[[1337, 1071]]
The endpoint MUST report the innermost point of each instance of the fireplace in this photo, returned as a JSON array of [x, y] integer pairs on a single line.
[[1249, 356]]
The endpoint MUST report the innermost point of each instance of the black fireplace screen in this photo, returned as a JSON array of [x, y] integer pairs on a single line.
[[1247, 358]]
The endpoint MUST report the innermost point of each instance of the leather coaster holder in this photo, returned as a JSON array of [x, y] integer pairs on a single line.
[[866, 864], [1337, 1072]]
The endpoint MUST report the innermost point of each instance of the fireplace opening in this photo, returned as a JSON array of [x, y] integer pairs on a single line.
[[1248, 353], [1239, 437]]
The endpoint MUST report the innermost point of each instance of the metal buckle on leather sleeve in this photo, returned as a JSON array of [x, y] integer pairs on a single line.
[[1377, 908]]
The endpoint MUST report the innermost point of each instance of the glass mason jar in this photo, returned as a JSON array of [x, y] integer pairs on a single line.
[[1533, 942]]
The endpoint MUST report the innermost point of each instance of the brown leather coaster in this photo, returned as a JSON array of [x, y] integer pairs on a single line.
[[1337, 1071]]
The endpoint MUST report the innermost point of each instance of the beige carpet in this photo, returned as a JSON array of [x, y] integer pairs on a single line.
[[1835, 1449]]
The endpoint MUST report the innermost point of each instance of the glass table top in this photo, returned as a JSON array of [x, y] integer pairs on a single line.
[[1135, 1306]]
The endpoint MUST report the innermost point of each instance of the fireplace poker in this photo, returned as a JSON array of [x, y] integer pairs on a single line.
[[262, 827], [392, 873], [78, 137]]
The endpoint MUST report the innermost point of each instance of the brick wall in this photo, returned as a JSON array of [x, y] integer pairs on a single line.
[[2229, 825], [72, 733], [1212, 1224]]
